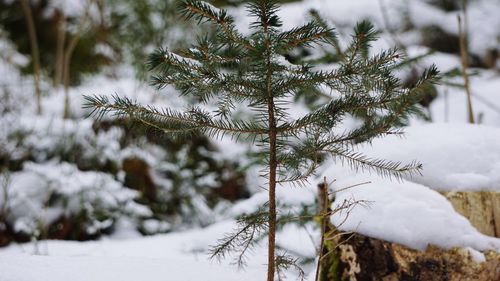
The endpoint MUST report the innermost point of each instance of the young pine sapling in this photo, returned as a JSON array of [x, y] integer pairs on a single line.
[[231, 69]]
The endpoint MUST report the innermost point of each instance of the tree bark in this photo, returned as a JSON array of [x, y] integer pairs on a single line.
[[364, 258], [61, 39], [273, 163], [272, 192]]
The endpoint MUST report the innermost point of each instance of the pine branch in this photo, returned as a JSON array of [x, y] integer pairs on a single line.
[[295, 81], [364, 35], [165, 62], [298, 176], [265, 13], [360, 77], [285, 262], [214, 54], [306, 35], [300, 162], [193, 78], [250, 229], [332, 113], [384, 168], [170, 121], [333, 40], [203, 11], [399, 110]]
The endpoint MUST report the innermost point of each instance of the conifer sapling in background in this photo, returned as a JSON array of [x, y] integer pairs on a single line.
[[231, 69]]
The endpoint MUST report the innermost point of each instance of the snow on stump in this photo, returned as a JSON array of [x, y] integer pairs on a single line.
[[461, 161], [409, 231]]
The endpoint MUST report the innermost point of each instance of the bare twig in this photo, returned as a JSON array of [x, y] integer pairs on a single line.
[[464, 60], [351, 186]]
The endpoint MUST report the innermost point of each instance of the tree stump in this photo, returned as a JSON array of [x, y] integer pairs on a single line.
[[364, 258]]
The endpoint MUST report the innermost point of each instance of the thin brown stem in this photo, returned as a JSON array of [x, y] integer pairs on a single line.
[[69, 53], [273, 164], [323, 209], [35, 53], [464, 60], [60, 41]]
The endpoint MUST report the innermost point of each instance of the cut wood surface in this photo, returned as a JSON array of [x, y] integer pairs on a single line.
[[482, 209]]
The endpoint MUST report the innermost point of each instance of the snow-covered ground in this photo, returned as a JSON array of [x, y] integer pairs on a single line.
[[409, 212], [177, 256]]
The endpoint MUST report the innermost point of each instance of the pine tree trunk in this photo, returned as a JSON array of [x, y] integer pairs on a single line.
[[273, 163]]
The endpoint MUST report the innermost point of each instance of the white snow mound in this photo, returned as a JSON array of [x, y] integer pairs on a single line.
[[406, 213], [454, 156]]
